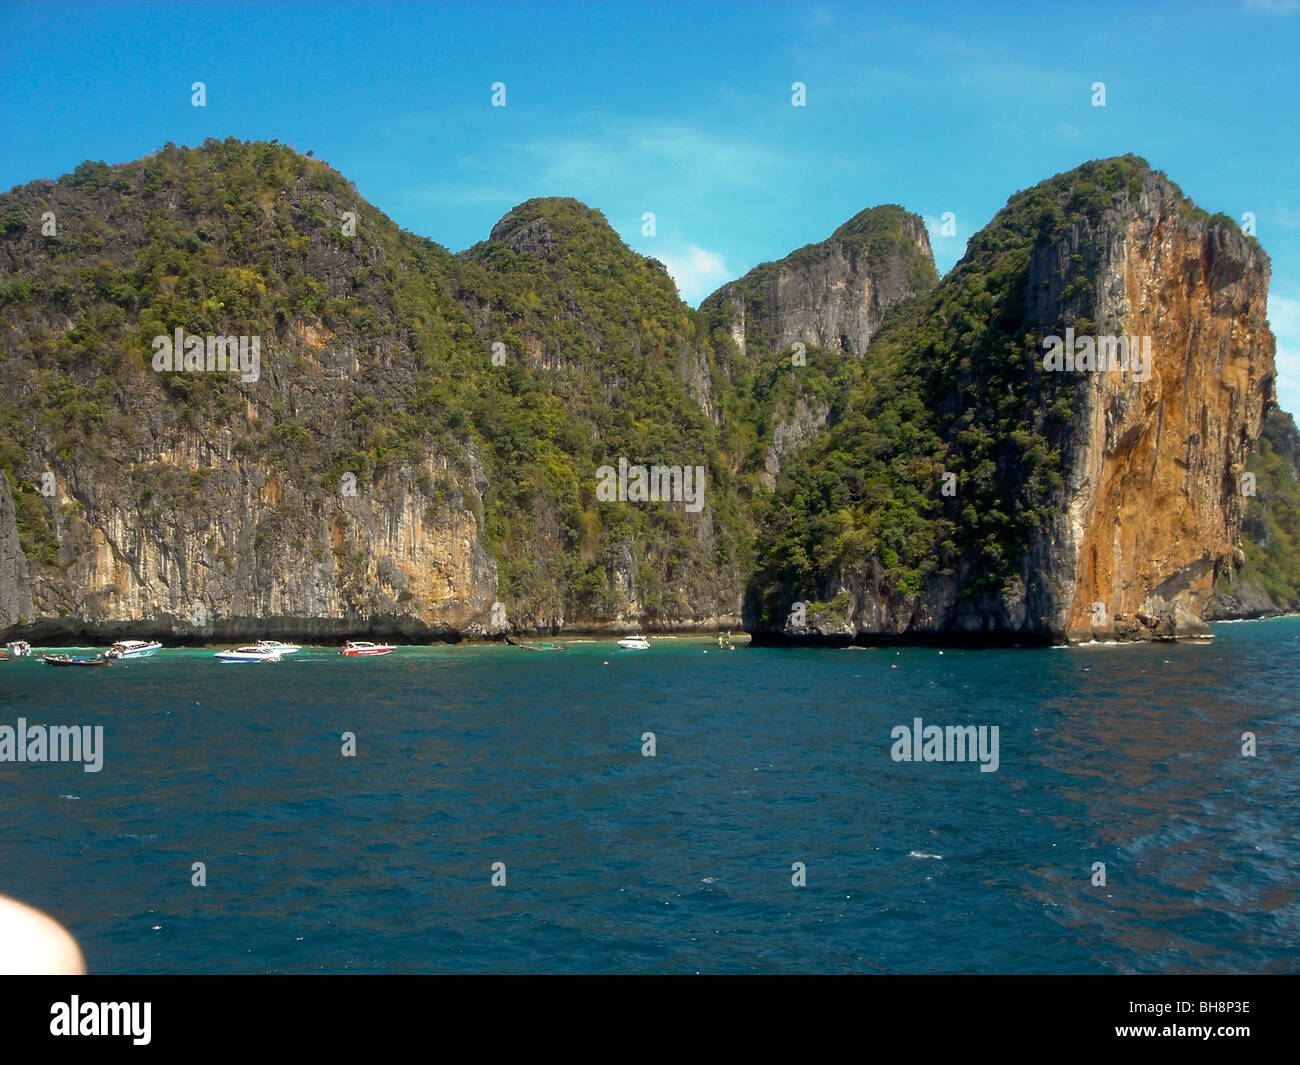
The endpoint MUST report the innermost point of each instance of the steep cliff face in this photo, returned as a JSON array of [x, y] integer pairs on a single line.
[[832, 295], [790, 334], [1154, 497], [1268, 579], [973, 491], [616, 373], [416, 450], [15, 585], [255, 553]]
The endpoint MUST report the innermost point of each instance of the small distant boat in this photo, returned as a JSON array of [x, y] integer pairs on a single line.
[[278, 647], [634, 643], [362, 648], [248, 654], [535, 646], [19, 649], [132, 649], [74, 660]]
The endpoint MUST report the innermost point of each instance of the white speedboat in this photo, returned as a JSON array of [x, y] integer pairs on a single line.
[[20, 649], [132, 649], [278, 647], [248, 654], [634, 643]]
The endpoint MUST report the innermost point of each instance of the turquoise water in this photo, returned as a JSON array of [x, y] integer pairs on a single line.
[[681, 862]]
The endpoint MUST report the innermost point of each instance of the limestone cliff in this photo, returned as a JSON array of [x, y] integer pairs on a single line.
[[416, 452], [1267, 581], [419, 449], [832, 295], [1154, 499], [15, 585], [789, 331], [1025, 502]]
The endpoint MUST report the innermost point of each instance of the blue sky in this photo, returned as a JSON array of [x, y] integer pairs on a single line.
[[684, 109]]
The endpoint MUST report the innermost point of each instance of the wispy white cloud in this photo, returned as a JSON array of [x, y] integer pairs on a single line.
[[696, 271], [464, 194], [1287, 217], [674, 153], [1284, 317], [935, 225], [948, 247], [673, 169], [1274, 7]]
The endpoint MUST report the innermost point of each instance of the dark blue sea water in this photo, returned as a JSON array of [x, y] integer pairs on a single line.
[[681, 862]]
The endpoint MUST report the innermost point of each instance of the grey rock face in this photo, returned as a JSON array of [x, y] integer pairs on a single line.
[[802, 424], [832, 295], [532, 236], [15, 585]]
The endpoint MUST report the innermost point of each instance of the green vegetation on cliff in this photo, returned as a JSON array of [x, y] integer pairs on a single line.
[[376, 360], [947, 388], [764, 387], [1270, 532], [495, 382]]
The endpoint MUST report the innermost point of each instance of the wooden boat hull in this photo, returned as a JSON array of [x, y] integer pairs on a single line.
[[535, 646]]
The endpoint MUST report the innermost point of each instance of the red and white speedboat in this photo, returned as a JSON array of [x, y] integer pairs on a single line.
[[358, 648]]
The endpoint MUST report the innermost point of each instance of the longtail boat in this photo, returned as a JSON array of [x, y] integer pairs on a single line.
[[74, 660]]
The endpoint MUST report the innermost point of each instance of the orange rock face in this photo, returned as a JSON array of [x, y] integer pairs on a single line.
[[1156, 503]]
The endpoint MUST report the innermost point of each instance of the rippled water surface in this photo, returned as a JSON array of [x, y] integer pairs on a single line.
[[681, 862]]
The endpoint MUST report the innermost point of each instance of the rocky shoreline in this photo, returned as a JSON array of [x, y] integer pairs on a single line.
[[47, 634]]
